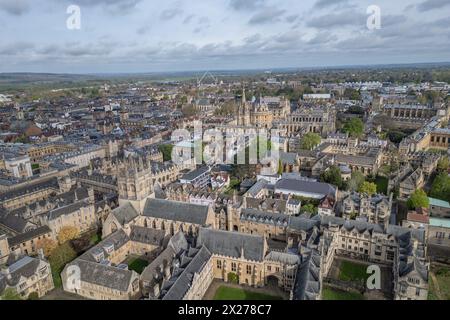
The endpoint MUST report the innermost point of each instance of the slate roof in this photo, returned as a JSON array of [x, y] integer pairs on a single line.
[[125, 213], [309, 187], [264, 217], [56, 213], [176, 211], [52, 183], [302, 224], [182, 282], [103, 275], [146, 235], [28, 235], [25, 267], [232, 244], [283, 257]]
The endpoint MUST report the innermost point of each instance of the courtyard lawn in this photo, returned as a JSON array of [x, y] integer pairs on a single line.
[[441, 289], [332, 294], [137, 265], [350, 271], [382, 184], [228, 293]]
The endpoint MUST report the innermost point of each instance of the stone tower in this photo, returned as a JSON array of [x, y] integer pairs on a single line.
[[135, 183]]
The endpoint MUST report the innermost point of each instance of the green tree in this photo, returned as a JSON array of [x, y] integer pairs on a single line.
[[418, 199], [310, 208], [58, 259], [310, 141], [233, 277], [441, 187], [368, 188], [33, 296], [10, 294], [354, 127], [166, 150], [332, 176], [355, 181], [443, 164]]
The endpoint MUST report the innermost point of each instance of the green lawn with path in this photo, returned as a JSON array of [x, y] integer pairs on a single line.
[[228, 293], [350, 271], [332, 294]]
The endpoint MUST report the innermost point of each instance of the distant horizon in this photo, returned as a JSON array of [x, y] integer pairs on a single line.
[[262, 69]]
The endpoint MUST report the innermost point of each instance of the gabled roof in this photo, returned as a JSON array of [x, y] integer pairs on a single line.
[[232, 244], [176, 211], [125, 213]]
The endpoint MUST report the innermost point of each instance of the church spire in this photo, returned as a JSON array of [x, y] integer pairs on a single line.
[[243, 95]]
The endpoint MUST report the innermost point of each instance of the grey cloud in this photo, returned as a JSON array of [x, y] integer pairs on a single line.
[[247, 4], [344, 18], [320, 4], [432, 4], [169, 14], [16, 48], [267, 15], [111, 6], [292, 18], [14, 7], [188, 19]]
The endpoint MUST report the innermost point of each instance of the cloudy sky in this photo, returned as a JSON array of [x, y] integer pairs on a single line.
[[177, 35]]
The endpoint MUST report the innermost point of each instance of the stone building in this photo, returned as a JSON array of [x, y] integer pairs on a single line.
[[376, 208], [27, 275], [102, 272]]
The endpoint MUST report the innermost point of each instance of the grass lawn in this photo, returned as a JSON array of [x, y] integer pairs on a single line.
[[95, 239], [227, 293], [332, 294], [350, 271], [137, 265], [443, 278], [382, 184]]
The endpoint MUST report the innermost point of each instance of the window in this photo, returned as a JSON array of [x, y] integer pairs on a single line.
[[249, 269], [219, 264], [269, 268], [233, 267], [418, 292]]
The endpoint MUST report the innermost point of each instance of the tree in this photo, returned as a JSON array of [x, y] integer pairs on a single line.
[[48, 245], [441, 187], [166, 150], [10, 294], [354, 127], [67, 233], [310, 141], [332, 176], [443, 164], [368, 188], [418, 199], [33, 296], [58, 259], [310, 208], [355, 181]]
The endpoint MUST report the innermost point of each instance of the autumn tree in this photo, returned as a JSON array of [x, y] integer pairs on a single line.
[[48, 245], [67, 233]]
